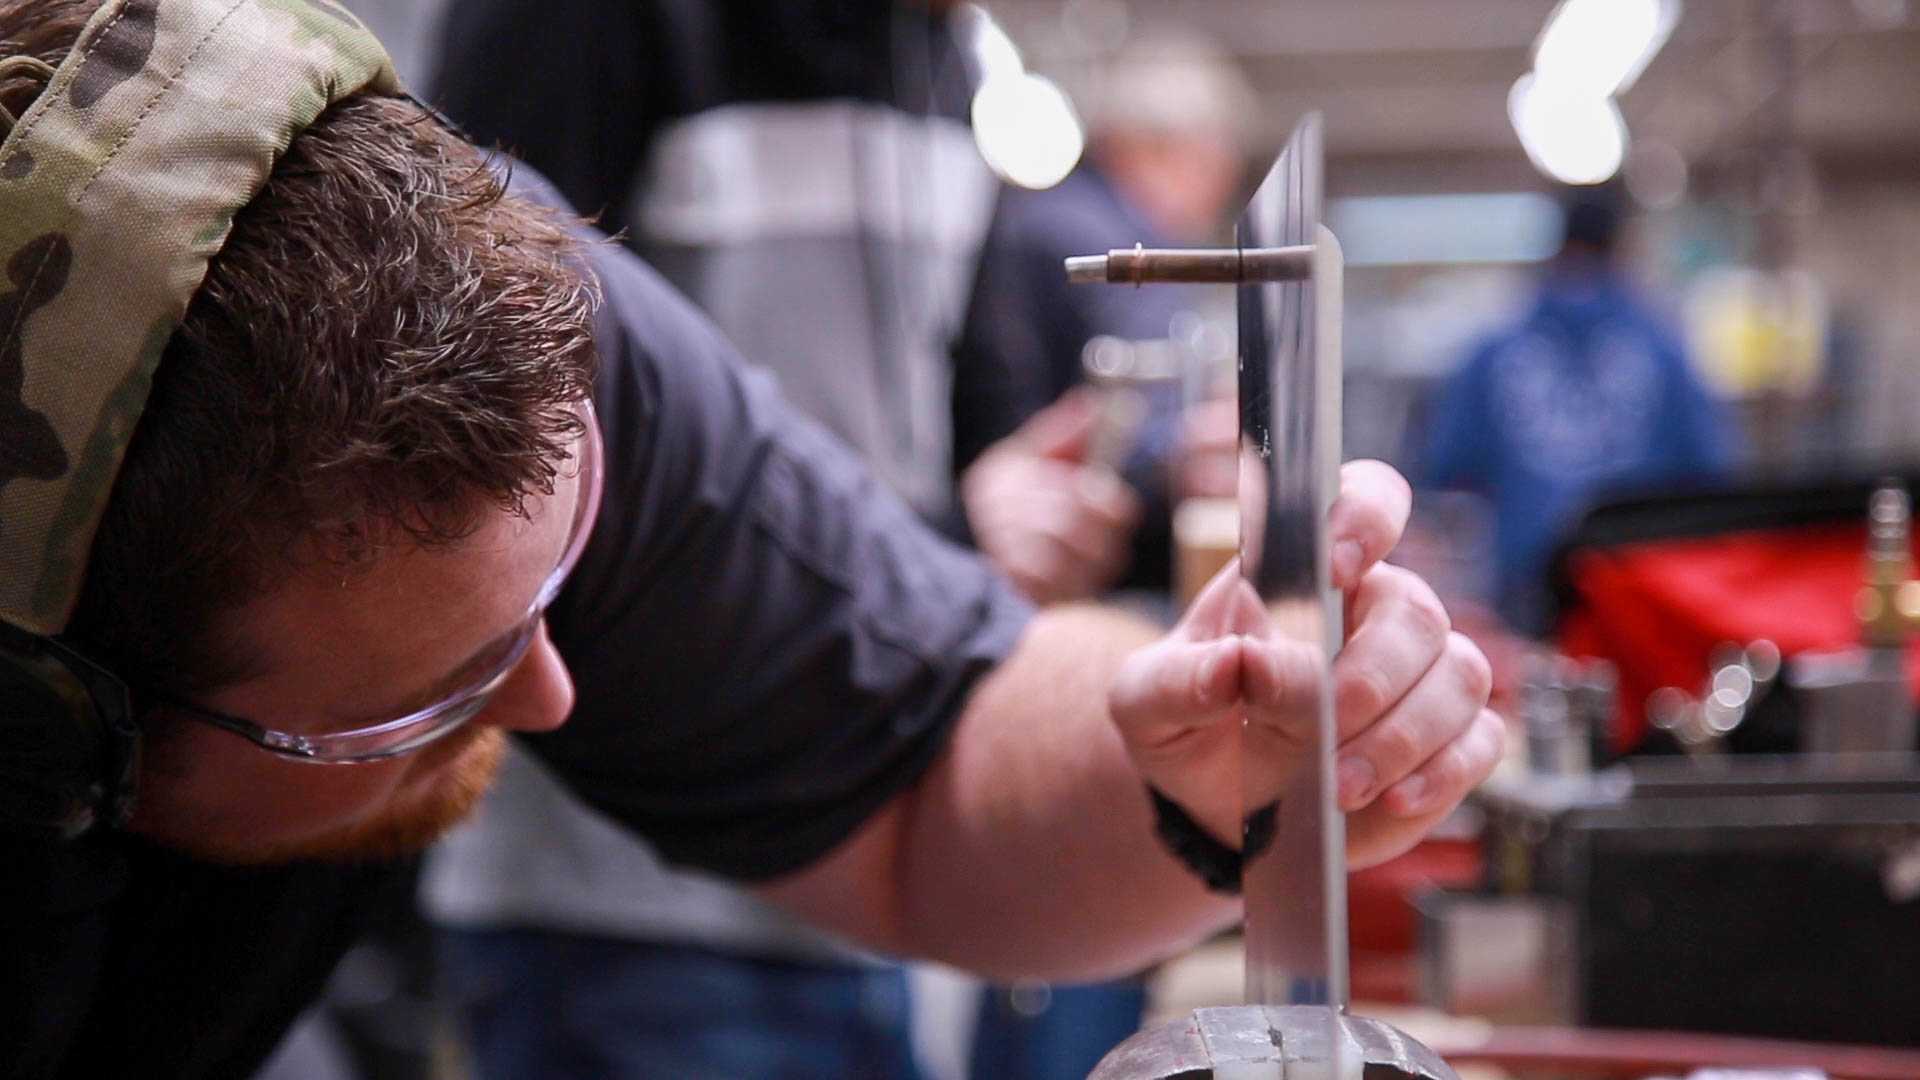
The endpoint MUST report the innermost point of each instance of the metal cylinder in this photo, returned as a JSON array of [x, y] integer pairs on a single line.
[[1194, 266], [1889, 569]]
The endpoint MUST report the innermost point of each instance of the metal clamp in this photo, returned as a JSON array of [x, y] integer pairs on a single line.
[[1275, 1042]]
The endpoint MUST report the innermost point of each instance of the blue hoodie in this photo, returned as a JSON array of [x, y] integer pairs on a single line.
[[1588, 392]]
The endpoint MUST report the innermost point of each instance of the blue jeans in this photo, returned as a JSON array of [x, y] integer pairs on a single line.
[[546, 1006], [1053, 1033]]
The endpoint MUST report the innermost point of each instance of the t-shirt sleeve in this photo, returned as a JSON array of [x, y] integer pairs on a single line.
[[766, 645]]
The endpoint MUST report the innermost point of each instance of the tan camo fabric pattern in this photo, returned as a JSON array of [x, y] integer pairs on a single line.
[[116, 188]]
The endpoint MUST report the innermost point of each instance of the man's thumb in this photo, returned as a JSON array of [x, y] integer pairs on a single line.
[[1063, 429]]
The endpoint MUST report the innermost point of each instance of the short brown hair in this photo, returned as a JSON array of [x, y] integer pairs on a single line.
[[386, 345]]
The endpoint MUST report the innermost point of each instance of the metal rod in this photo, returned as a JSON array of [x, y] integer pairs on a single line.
[[1199, 266]]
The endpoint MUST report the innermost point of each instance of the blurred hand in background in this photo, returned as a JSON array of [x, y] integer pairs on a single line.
[[1059, 526], [1209, 456]]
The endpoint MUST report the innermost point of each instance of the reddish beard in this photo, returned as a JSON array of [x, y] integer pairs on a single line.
[[455, 773], [411, 824]]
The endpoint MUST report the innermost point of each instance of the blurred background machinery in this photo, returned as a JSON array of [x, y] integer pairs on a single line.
[[1704, 835]]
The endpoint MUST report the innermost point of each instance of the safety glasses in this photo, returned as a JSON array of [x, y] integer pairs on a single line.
[[492, 667]]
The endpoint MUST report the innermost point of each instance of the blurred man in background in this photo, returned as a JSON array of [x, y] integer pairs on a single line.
[[1165, 159], [804, 172], [1589, 391]]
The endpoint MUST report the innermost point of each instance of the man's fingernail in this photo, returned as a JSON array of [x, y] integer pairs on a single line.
[[1098, 484], [1347, 555], [1356, 779], [1411, 793]]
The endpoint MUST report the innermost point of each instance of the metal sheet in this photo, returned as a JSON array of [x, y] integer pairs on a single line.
[[1295, 872]]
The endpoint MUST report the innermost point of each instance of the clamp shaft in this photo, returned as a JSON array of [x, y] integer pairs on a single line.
[[1201, 266]]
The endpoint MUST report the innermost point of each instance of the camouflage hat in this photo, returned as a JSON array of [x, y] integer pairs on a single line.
[[116, 188]]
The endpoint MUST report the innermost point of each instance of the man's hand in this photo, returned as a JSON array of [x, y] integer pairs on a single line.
[[1027, 849], [1059, 528], [1409, 694]]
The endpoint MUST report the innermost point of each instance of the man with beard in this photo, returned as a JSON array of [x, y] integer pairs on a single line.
[[353, 477]]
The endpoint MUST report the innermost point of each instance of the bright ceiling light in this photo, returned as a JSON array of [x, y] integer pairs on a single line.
[[1573, 137], [1599, 47], [1027, 130]]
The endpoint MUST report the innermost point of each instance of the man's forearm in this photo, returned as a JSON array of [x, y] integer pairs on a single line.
[[1027, 849]]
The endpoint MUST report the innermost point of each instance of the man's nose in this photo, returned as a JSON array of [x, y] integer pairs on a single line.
[[538, 695]]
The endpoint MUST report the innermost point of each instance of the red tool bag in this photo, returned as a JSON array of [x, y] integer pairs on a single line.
[[1655, 583]]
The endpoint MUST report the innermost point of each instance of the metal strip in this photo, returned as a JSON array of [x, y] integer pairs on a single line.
[[1295, 862]]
